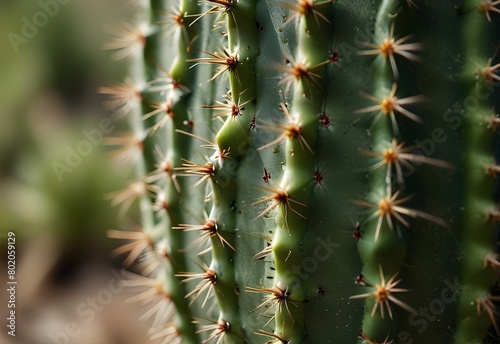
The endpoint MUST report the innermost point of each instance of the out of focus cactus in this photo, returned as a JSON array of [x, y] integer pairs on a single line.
[[312, 171]]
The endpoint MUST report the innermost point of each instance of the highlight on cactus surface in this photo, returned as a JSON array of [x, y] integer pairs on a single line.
[[284, 212]]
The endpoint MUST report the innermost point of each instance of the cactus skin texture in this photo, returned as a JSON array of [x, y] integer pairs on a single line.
[[311, 171]]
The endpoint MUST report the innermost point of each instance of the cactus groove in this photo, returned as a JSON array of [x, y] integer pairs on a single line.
[[311, 171]]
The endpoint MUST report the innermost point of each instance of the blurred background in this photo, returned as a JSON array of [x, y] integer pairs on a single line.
[[54, 173]]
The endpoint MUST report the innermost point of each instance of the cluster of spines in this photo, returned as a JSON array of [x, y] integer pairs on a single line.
[[478, 304]]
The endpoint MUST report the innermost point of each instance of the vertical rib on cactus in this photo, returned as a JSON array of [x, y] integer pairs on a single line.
[[173, 107], [382, 250], [476, 308], [233, 138], [242, 41], [226, 288], [307, 73], [141, 45], [238, 62], [130, 42], [178, 97]]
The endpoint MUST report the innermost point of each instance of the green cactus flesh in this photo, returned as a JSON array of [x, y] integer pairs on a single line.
[[311, 171]]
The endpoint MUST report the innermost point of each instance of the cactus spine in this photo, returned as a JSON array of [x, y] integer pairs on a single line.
[[306, 187]]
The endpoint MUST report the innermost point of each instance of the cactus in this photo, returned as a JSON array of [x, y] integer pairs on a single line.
[[311, 171]]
